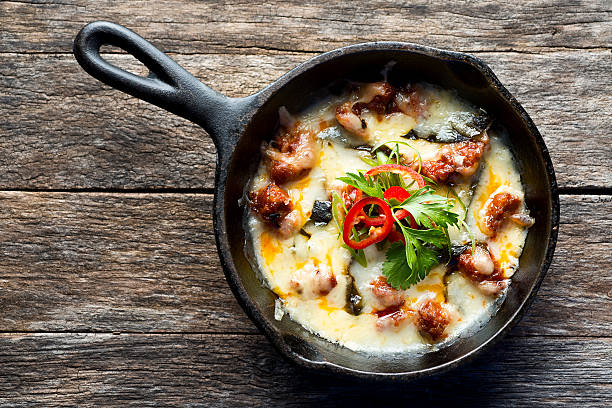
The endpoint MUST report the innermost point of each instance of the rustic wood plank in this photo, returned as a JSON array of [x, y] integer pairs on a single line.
[[237, 26], [147, 263], [239, 370], [64, 130]]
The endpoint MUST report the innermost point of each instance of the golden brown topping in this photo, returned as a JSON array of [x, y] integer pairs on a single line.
[[501, 204], [274, 206], [432, 319], [457, 158], [411, 101], [386, 296], [292, 154], [376, 97], [477, 265]]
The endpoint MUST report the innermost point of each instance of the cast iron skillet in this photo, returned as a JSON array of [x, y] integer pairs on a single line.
[[239, 125]]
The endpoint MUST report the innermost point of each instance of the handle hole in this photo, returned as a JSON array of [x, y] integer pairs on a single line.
[[121, 59]]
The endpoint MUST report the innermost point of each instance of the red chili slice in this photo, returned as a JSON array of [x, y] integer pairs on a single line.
[[397, 169], [396, 192], [355, 216], [400, 194], [395, 236]]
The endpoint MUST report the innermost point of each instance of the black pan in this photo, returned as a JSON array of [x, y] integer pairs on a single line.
[[239, 125]]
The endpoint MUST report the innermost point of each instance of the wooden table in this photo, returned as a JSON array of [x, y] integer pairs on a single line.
[[110, 287]]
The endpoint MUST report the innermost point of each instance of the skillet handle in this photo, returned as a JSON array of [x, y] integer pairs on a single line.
[[168, 85]]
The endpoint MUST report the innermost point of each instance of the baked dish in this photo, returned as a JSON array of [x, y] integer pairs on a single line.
[[387, 217]]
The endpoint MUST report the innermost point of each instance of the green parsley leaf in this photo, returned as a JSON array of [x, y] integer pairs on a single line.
[[367, 185]]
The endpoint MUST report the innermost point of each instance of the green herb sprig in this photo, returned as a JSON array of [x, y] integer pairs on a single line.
[[406, 265]]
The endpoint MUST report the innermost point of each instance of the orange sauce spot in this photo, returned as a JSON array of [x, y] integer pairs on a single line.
[[326, 306], [270, 247], [438, 289], [493, 184]]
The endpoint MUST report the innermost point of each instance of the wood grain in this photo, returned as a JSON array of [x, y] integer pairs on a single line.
[[65, 130], [147, 263], [242, 26], [76, 267], [243, 370]]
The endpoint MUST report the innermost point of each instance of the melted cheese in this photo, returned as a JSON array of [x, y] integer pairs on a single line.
[[279, 260]]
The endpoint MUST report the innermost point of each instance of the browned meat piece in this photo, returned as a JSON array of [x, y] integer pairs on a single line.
[[376, 97], [350, 121], [480, 267], [292, 155], [493, 287], [386, 296], [500, 205], [432, 319], [274, 206], [411, 101], [390, 317], [477, 265], [271, 203], [457, 158]]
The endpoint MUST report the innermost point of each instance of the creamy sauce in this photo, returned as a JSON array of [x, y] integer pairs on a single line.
[[280, 259]]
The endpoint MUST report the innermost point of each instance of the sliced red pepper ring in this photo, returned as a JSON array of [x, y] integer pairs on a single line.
[[397, 169], [355, 216], [396, 192], [400, 195]]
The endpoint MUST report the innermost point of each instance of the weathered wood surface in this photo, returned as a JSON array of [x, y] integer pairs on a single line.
[[96, 137], [243, 370], [241, 26], [147, 263], [78, 266]]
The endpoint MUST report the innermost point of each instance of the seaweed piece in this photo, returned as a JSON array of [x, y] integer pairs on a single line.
[[469, 124], [354, 301], [461, 126], [321, 212]]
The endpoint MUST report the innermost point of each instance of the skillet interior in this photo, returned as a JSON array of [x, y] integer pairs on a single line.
[[475, 83]]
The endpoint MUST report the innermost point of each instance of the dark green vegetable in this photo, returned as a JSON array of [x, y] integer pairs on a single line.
[[354, 301], [321, 212], [461, 126]]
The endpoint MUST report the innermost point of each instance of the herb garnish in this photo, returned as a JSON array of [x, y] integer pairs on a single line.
[[408, 264]]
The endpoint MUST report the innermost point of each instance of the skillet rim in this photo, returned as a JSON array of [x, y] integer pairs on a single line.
[[257, 100]]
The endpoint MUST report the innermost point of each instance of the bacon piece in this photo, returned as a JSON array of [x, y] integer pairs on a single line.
[[432, 319], [390, 318], [411, 101], [378, 95], [313, 280], [375, 97], [460, 158], [477, 265], [480, 267], [501, 204], [292, 154], [386, 296], [274, 206]]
